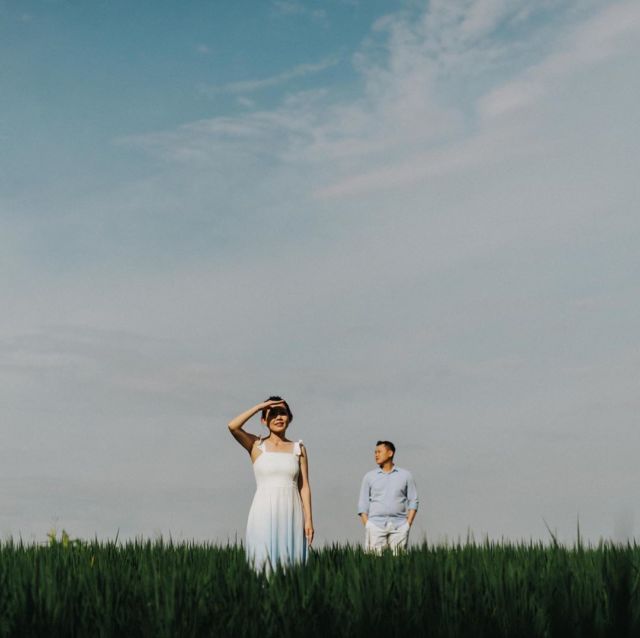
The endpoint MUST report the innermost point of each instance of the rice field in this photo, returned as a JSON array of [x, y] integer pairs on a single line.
[[159, 589]]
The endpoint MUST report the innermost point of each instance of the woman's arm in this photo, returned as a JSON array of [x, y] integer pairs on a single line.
[[305, 494], [246, 439]]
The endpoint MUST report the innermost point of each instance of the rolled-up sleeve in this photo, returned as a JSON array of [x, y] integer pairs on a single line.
[[363, 501], [412, 493]]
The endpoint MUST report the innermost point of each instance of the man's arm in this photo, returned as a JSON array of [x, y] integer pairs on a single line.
[[363, 501], [412, 499]]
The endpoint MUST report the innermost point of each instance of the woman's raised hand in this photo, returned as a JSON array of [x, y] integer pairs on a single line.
[[269, 405], [246, 439]]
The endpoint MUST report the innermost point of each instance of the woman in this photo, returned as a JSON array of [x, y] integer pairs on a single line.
[[280, 525]]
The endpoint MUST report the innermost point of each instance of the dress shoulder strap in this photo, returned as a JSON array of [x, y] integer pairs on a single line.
[[260, 444], [296, 448]]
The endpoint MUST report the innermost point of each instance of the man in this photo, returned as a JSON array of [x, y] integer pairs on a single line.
[[388, 502]]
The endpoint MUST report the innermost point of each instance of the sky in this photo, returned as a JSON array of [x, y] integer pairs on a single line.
[[416, 221]]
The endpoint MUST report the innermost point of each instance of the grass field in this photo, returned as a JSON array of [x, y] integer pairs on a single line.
[[159, 589]]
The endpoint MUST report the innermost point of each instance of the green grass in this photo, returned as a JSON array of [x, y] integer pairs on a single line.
[[159, 589]]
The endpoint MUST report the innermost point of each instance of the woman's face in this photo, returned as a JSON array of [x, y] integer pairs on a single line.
[[277, 420]]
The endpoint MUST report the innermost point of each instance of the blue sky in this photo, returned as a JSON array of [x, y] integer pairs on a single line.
[[76, 75], [415, 220]]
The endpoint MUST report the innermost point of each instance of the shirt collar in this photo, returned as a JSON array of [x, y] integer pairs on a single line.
[[381, 471]]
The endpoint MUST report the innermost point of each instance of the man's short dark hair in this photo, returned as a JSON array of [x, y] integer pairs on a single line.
[[286, 405], [388, 444]]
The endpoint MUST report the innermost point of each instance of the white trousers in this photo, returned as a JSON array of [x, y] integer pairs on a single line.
[[379, 538]]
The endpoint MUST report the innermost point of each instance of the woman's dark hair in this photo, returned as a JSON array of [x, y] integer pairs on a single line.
[[286, 405], [388, 444]]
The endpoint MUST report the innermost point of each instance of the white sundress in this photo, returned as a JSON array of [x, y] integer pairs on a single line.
[[275, 529]]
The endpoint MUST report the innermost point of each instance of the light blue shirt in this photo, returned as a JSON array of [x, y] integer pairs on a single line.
[[387, 496]]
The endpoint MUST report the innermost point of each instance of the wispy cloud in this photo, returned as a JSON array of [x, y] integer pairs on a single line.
[[298, 8], [414, 63], [252, 86], [607, 34], [245, 102], [398, 132]]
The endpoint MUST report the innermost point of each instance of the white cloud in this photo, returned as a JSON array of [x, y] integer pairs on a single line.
[[608, 34], [485, 15], [245, 102], [298, 8], [251, 86]]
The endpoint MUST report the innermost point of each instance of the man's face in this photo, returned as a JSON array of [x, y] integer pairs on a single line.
[[382, 454]]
